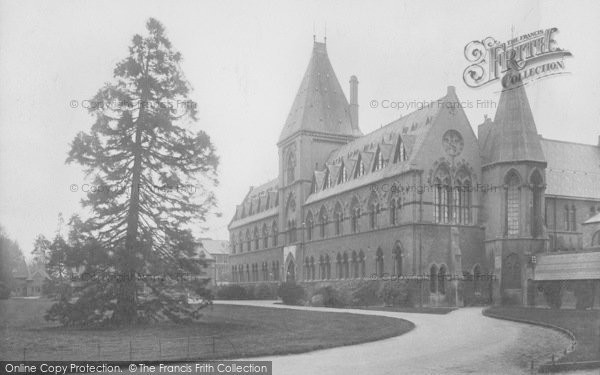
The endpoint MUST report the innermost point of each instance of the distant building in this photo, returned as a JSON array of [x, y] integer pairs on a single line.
[[28, 281], [216, 252], [421, 196]]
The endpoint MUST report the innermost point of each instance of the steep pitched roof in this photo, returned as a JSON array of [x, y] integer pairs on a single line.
[[320, 104], [513, 135], [265, 191], [215, 247], [412, 128], [573, 169]]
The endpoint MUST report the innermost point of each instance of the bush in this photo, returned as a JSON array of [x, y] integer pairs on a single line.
[[232, 292], [265, 291], [366, 293], [394, 293], [332, 297], [553, 293], [4, 291], [291, 293], [584, 292]]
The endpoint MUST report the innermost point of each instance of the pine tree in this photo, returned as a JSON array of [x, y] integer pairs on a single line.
[[151, 175]]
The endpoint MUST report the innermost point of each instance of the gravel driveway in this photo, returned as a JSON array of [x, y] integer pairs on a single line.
[[461, 342]]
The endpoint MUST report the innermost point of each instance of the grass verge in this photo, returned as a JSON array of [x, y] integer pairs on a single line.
[[224, 331]]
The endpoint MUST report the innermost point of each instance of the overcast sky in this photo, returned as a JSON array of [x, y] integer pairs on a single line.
[[245, 60]]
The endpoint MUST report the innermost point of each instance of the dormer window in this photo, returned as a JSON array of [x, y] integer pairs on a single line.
[[327, 183], [400, 155], [343, 174], [378, 161]]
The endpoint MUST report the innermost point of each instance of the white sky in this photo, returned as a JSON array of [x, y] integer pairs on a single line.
[[245, 61]]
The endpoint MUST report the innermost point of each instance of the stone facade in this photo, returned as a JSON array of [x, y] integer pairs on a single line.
[[422, 197]]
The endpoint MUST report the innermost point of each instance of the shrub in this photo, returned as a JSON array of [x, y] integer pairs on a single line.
[[4, 291], [291, 293], [232, 292], [394, 293], [553, 293], [265, 291], [366, 293], [584, 292], [337, 296]]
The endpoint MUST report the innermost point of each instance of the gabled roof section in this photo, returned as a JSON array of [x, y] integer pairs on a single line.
[[573, 169], [513, 136], [256, 194], [320, 104], [215, 247], [412, 128], [593, 220]]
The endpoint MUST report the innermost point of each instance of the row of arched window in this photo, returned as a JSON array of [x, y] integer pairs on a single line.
[[452, 196], [255, 240], [251, 272], [349, 265]]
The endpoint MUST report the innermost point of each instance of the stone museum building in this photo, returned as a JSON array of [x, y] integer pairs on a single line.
[[423, 196]]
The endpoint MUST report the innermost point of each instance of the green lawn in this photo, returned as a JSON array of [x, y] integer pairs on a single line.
[[583, 324], [224, 331]]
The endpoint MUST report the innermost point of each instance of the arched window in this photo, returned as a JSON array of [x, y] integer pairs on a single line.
[[327, 267], [306, 273], [512, 208], [309, 226], [379, 262], [292, 231], [398, 261], [312, 268], [323, 221], [355, 211], [248, 240], [442, 280], [442, 195], [433, 278], [461, 198], [248, 275], [361, 263], [373, 211], [345, 266], [291, 168], [393, 212], [338, 267], [241, 242], [354, 261], [256, 238], [536, 204], [321, 268], [275, 233], [573, 219], [338, 216], [265, 234], [567, 216]]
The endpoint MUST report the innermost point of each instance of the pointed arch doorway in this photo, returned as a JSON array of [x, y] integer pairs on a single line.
[[291, 272]]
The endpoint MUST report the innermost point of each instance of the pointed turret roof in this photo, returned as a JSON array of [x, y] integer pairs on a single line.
[[320, 104], [513, 135]]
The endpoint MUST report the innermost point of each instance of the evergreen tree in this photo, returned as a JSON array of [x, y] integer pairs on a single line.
[[151, 174]]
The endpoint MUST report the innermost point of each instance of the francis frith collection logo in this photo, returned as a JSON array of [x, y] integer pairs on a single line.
[[532, 56]]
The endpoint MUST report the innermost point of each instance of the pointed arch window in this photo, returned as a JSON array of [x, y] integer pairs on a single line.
[[397, 261], [275, 233], [321, 268], [361, 264], [442, 196], [291, 168], [323, 221], [256, 238], [309, 226], [536, 204], [393, 218], [379, 262], [573, 219], [433, 278], [241, 242], [327, 267], [373, 214], [248, 240], [338, 216], [596, 239], [512, 206], [360, 168], [265, 234], [354, 265], [441, 287]]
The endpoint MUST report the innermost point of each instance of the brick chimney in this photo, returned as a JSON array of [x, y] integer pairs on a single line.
[[354, 102]]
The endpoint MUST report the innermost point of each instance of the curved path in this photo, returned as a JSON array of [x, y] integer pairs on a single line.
[[461, 342]]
